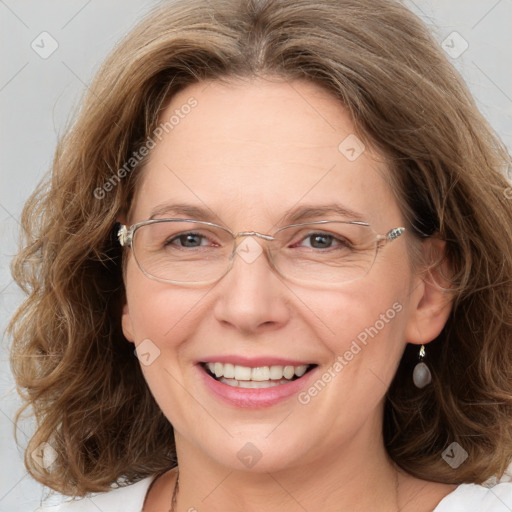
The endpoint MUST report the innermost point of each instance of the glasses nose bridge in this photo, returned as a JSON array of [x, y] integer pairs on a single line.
[[253, 233], [245, 234]]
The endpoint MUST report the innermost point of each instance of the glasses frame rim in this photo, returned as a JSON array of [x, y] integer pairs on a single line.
[[125, 236]]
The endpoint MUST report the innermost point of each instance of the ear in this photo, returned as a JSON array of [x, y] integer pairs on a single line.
[[431, 302], [126, 323], [122, 217]]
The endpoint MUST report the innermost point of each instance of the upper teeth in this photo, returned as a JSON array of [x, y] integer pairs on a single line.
[[259, 373]]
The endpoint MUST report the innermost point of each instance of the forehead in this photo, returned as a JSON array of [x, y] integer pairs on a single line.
[[251, 151]]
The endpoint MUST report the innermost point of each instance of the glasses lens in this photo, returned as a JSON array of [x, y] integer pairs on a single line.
[[330, 252], [197, 252], [182, 252]]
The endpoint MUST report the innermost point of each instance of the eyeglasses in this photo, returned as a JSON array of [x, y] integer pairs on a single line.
[[193, 252]]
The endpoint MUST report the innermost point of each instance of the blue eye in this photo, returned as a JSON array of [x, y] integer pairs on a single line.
[[187, 240]]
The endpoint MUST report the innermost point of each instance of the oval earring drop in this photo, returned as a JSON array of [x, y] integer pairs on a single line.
[[421, 375]]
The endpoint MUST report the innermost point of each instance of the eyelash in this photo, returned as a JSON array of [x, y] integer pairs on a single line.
[[339, 242], [184, 235]]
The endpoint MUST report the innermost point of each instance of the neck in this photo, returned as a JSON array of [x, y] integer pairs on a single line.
[[347, 479]]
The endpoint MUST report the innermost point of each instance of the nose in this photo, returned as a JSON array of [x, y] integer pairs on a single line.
[[251, 298]]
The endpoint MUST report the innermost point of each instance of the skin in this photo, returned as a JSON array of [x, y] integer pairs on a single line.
[[250, 151]]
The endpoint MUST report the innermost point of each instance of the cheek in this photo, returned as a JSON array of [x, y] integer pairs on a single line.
[[358, 312], [161, 318], [363, 329], [156, 310]]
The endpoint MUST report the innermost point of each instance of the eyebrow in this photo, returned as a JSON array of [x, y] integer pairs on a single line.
[[185, 210], [304, 213], [294, 215]]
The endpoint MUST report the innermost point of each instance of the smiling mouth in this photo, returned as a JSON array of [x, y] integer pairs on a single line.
[[255, 377]]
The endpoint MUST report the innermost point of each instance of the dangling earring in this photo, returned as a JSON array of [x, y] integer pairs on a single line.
[[421, 375]]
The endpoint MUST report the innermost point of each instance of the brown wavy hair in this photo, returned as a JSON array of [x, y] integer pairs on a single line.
[[73, 366]]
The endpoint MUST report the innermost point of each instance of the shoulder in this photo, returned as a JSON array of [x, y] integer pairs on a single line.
[[471, 497], [122, 499]]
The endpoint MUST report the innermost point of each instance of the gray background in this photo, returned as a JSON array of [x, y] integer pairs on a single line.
[[38, 97]]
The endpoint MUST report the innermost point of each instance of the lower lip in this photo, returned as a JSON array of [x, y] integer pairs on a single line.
[[254, 398]]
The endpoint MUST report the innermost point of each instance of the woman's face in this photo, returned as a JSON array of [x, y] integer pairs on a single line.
[[246, 154]]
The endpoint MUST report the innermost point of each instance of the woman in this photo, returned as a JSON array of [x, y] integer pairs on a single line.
[[296, 217]]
